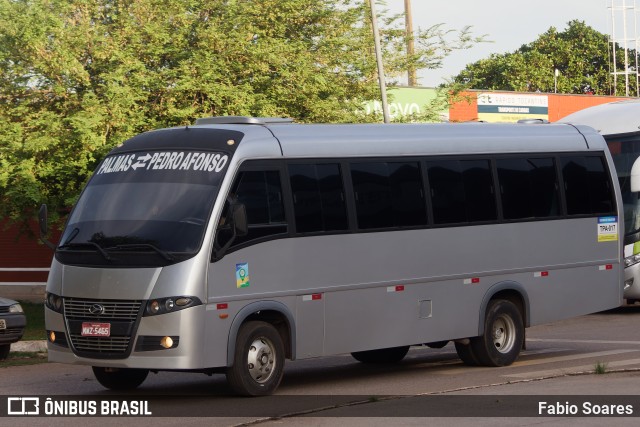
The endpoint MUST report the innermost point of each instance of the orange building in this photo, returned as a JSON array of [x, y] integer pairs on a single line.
[[503, 106]]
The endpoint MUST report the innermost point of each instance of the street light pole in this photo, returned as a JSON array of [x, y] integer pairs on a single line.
[[381, 78]]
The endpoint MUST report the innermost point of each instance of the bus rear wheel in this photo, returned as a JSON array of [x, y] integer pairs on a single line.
[[465, 353], [120, 378], [383, 355], [258, 363], [503, 335]]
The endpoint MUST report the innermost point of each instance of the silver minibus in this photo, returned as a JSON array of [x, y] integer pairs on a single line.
[[237, 243]]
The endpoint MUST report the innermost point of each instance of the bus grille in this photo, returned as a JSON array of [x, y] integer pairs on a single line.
[[121, 310], [122, 315], [108, 345]]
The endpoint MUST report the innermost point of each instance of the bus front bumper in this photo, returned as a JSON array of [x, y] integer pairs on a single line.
[[146, 352]]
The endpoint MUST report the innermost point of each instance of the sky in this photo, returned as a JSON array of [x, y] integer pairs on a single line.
[[507, 23]]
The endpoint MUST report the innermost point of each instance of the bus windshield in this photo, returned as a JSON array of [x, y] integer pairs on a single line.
[[153, 214], [624, 152]]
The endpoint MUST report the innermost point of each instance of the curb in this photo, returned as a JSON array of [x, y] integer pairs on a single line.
[[39, 346]]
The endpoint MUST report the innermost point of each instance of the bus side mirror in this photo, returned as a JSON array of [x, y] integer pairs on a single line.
[[237, 224], [43, 222], [240, 224], [635, 176]]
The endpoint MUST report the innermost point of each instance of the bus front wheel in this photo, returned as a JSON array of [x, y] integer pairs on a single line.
[[503, 335], [120, 379], [258, 363]]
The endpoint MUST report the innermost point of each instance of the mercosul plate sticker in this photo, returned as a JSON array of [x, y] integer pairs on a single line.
[[607, 229]]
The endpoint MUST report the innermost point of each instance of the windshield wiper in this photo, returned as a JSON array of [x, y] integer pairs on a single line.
[[162, 253], [87, 244]]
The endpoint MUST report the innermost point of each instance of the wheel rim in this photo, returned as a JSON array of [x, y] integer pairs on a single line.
[[504, 334], [261, 360]]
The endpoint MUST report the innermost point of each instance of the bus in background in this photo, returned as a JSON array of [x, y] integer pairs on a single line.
[[237, 243], [619, 124]]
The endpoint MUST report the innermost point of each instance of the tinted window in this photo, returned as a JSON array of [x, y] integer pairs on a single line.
[[587, 186], [528, 188], [461, 191], [388, 194], [261, 194], [318, 197]]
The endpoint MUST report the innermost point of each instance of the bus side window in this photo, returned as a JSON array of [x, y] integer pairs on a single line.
[[461, 191], [587, 186], [261, 194], [388, 194], [528, 187], [318, 197]]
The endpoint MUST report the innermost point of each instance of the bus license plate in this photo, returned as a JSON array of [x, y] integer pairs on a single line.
[[90, 329], [3, 324]]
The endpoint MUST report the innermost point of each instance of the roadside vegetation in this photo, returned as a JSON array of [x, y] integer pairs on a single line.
[[35, 321], [21, 358], [79, 78]]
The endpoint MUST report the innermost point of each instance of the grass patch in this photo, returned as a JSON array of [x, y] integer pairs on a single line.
[[601, 368], [35, 321], [20, 358]]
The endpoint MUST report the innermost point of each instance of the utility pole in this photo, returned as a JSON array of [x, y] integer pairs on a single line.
[[381, 78], [408, 19]]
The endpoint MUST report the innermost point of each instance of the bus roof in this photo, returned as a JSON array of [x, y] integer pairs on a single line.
[[280, 139], [613, 118], [377, 140]]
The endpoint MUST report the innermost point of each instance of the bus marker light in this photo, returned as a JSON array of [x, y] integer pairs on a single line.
[[223, 315], [312, 297], [541, 274], [397, 288], [222, 306], [472, 280], [605, 267]]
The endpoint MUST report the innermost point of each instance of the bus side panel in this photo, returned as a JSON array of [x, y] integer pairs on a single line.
[[396, 315], [557, 262], [310, 320], [571, 292]]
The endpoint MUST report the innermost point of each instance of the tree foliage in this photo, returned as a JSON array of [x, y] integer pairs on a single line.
[[581, 55], [77, 77]]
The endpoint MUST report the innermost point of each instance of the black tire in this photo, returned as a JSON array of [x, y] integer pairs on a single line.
[[383, 355], [465, 353], [4, 351], [258, 363], [120, 378], [503, 335]]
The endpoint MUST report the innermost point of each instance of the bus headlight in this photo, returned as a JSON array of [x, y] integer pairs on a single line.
[[631, 260], [53, 302], [169, 305]]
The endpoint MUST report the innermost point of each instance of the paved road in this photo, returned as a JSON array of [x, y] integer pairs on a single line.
[[327, 387]]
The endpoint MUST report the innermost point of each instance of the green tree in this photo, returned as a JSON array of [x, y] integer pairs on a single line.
[[581, 55], [78, 77]]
